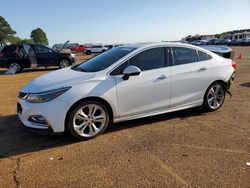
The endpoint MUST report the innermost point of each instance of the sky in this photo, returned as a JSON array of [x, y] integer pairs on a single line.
[[124, 21]]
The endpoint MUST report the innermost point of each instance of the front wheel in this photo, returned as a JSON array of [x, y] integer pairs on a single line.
[[63, 63], [88, 120], [214, 97]]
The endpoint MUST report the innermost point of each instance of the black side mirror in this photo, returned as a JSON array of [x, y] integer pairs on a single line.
[[130, 71]]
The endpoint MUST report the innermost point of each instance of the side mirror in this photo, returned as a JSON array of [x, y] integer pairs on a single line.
[[130, 71]]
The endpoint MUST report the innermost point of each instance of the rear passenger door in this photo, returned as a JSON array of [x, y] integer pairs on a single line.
[[190, 76]]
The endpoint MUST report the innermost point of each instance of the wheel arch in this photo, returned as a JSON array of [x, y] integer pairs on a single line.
[[103, 101], [220, 81]]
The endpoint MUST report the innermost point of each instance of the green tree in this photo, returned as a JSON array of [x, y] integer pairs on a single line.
[[39, 36], [15, 40], [27, 41], [6, 32], [18, 40]]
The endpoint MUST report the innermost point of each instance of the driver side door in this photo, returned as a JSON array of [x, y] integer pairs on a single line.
[[150, 91], [45, 56]]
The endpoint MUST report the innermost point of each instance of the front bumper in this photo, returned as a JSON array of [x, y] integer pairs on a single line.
[[54, 113]]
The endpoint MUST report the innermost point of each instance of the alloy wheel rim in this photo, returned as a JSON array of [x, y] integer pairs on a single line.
[[15, 66], [89, 120], [64, 63], [216, 96]]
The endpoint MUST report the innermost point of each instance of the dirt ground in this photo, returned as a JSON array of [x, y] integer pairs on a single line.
[[181, 149]]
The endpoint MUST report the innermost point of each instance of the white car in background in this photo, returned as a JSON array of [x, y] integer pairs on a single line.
[[127, 82], [95, 49]]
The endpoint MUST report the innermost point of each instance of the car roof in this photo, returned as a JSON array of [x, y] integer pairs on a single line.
[[153, 44]]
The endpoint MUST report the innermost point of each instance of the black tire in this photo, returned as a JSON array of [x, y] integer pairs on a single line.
[[103, 51], [71, 120], [63, 63], [18, 65], [207, 106], [88, 52]]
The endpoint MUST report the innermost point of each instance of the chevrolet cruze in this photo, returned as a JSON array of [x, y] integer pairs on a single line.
[[127, 82]]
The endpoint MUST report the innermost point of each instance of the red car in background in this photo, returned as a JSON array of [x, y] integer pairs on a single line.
[[79, 48]]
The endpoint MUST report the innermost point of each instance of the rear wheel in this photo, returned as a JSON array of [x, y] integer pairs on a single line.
[[63, 63], [16, 66], [214, 97], [88, 120]]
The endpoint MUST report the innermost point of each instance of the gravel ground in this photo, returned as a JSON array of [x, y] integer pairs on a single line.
[[182, 149]]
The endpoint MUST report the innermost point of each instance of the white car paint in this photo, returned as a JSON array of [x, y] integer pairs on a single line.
[[96, 49], [153, 92]]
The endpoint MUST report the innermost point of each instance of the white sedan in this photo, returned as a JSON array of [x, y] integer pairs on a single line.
[[127, 82]]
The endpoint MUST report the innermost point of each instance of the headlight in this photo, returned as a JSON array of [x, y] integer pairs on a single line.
[[46, 96]]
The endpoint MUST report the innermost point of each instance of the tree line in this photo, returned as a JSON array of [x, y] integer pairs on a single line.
[[8, 35]]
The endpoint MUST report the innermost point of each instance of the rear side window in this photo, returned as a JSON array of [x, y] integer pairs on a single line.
[[184, 55], [147, 60], [202, 56], [9, 50]]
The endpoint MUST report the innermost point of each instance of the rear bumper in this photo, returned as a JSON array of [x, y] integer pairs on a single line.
[[230, 81]]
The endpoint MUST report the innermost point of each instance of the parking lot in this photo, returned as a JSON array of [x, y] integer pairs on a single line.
[[181, 149]]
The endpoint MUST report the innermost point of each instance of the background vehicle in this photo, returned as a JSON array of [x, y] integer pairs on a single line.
[[33, 55], [222, 42], [198, 42], [109, 47], [125, 83], [95, 49], [211, 41], [223, 51], [246, 42], [238, 42], [79, 48]]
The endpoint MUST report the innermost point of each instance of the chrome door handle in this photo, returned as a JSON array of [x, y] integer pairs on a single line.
[[202, 69], [162, 77]]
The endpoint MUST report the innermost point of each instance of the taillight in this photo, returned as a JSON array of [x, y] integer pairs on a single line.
[[1, 54], [234, 65]]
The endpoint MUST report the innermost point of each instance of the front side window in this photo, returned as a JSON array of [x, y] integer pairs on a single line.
[[41, 49], [147, 60], [184, 55]]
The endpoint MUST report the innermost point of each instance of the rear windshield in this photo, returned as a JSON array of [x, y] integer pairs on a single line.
[[8, 50], [103, 60]]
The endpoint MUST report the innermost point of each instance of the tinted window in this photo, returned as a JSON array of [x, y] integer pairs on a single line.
[[147, 60], [209, 56], [104, 60], [9, 50], [184, 55], [202, 56], [41, 49]]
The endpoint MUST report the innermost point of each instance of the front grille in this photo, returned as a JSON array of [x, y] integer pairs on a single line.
[[22, 95]]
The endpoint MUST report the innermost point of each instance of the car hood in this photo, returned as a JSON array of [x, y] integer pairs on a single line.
[[56, 79]]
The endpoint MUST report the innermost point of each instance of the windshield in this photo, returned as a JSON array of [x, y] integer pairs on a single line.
[[103, 60]]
